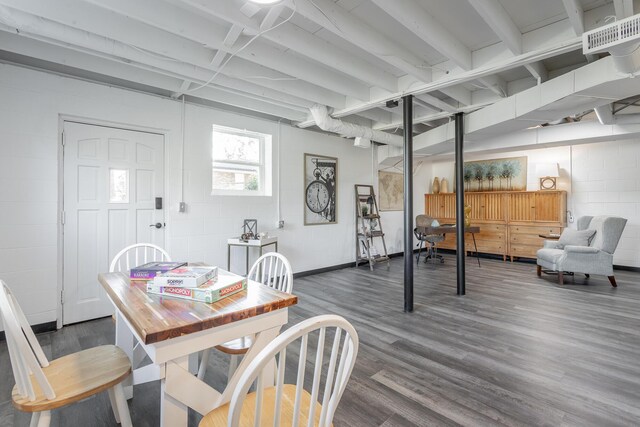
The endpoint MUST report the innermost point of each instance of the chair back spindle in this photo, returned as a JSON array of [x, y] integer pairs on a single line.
[[135, 255], [25, 352], [343, 350], [273, 269]]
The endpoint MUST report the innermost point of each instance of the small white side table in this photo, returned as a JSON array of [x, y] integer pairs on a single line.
[[258, 243]]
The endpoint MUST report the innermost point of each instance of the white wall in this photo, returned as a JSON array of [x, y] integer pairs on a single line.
[[31, 103], [600, 179], [606, 181]]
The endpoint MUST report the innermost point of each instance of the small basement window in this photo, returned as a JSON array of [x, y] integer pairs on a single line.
[[241, 162]]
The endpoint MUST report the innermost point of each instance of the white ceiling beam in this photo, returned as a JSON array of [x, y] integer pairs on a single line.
[[432, 101], [339, 21], [549, 51], [414, 17], [538, 71], [59, 55], [88, 17], [53, 32], [623, 8], [232, 35], [271, 17], [183, 88], [501, 23], [250, 9], [298, 40], [431, 109], [168, 17], [576, 15], [496, 85], [377, 115]]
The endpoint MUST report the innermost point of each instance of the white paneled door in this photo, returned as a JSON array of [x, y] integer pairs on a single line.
[[112, 178]]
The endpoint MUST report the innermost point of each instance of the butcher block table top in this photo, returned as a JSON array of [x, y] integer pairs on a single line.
[[157, 318]]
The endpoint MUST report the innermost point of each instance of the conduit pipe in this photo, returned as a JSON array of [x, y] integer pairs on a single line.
[[327, 123]]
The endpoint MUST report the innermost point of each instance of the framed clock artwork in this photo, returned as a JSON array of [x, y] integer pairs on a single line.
[[320, 183]]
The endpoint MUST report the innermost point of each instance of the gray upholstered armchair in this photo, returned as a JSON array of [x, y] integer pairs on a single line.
[[596, 257]]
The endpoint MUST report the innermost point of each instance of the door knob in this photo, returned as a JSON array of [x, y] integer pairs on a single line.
[[157, 225]]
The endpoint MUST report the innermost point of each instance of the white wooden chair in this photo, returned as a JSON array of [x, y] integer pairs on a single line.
[[290, 404], [42, 385], [138, 254], [123, 261], [271, 269]]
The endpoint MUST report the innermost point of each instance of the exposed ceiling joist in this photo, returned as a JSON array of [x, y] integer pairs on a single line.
[[76, 14], [414, 17], [288, 35], [339, 21], [464, 77], [82, 61], [576, 15], [271, 17], [501, 23], [31, 26], [623, 8]]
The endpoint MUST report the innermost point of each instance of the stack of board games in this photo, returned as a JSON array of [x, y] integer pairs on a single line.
[[216, 288], [149, 270]]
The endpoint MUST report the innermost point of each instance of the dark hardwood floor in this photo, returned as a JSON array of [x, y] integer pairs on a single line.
[[516, 350]]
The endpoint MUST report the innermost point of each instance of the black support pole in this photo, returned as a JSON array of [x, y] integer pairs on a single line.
[[460, 248], [407, 124]]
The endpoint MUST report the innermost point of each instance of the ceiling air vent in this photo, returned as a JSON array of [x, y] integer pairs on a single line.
[[616, 35]]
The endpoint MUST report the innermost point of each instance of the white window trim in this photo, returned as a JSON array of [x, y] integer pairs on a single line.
[[263, 167]]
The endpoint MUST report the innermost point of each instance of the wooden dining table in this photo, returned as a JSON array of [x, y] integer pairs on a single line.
[[171, 332]]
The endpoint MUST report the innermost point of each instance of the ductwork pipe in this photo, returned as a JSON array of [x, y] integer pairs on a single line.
[[327, 123]]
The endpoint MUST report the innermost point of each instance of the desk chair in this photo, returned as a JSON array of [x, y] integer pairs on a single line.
[[271, 269], [431, 239], [335, 342], [43, 385]]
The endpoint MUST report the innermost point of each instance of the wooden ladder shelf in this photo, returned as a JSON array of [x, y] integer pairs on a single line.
[[368, 228]]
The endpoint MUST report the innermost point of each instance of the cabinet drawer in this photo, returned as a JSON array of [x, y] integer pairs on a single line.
[[487, 247], [526, 251], [531, 229], [498, 236], [527, 239]]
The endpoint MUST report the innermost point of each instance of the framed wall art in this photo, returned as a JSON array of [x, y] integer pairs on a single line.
[[391, 191], [320, 187], [496, 175]]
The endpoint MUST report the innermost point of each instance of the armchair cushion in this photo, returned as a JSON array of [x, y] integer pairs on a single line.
[[575, 237], [551, 256], [581, 249]]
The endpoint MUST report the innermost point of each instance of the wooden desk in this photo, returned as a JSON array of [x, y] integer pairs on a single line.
[[254, 243], [172, 331], [446, 229]]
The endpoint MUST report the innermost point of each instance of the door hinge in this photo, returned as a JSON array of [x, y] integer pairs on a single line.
[[63, 139], [62, 296], [62, 217]]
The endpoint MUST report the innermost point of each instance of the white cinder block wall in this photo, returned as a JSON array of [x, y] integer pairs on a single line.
[[606, 181], [31, 103]]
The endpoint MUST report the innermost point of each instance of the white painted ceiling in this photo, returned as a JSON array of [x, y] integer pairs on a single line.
[[351, 55]]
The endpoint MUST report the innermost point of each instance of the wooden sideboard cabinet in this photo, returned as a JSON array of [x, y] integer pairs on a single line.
[[510, 221]]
